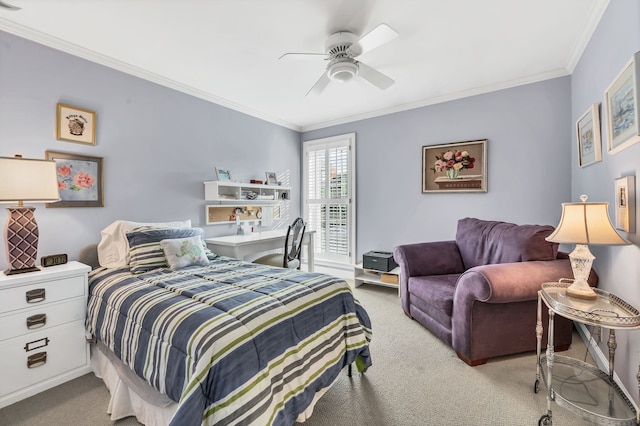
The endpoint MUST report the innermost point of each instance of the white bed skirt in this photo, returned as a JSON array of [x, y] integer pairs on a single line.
[[132, 396]]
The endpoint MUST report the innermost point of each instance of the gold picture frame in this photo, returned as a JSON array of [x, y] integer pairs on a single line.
[[80, 180], [455, 167], [75, 124]]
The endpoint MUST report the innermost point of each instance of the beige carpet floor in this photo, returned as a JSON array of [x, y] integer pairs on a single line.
[[415, 380]]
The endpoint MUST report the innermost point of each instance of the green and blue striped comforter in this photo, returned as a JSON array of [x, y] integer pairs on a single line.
[[231, 342]]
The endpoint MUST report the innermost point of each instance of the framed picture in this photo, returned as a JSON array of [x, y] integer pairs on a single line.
[[588, 134], [271, 178], [223, 174], [75, 125], [626, 204], [455, 167], [80, 180], [621, 102]]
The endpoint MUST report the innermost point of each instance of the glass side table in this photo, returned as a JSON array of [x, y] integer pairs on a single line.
[[581, 388]]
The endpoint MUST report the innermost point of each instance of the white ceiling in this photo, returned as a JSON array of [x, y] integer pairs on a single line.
[[227, 51]]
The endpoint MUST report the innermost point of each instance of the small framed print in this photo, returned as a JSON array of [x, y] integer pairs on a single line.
[[223, 174], [80, 180], [626, 204], [588, 134], [271, 178], [623, 111], [75, 125]]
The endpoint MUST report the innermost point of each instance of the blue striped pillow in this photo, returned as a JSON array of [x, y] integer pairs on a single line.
[[144, 246]]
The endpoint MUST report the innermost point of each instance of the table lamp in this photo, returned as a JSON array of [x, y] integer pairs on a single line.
[[582, 224], [25, 180]]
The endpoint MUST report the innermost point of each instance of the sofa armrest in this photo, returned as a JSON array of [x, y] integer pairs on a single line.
[[431, 258], [501, 283], [422, 259], [510, 282]]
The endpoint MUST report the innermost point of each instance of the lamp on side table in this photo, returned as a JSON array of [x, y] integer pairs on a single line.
[[25, 180], [582, 224]]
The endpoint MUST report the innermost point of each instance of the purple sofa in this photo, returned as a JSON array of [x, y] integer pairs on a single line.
[[479, 293]]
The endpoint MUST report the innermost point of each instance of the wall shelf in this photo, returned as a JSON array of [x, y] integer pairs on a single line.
[[240, 193], [219, 214]]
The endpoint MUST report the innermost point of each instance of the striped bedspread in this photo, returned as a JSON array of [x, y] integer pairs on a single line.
[[231, 342]]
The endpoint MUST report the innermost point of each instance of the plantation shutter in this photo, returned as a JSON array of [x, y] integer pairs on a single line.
[[328, 197]]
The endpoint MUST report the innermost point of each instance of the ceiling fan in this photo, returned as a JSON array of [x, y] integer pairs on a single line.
[[342, 49]]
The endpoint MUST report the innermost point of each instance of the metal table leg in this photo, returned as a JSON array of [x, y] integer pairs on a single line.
[[547, 419]]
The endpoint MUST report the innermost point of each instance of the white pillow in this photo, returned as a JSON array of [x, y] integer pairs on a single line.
[[113, 249], [181, 252]]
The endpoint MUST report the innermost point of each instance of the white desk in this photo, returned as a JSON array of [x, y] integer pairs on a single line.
[[239, 246]]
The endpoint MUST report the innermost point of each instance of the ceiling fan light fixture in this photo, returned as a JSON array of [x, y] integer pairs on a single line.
[[342, 70]]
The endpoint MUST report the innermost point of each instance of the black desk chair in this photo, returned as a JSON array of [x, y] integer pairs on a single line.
[[291, 258]]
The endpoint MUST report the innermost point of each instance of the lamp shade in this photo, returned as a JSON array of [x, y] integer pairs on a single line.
[[586, 223], [23, 179]]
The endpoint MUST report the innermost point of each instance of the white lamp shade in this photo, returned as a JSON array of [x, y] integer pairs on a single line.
[[23, 179], [586, 223]]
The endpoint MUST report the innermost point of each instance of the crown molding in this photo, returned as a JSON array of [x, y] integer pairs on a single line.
[[440, 99], [90, 55], [599, 8]]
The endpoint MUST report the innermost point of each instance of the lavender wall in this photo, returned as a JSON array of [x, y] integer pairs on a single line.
[[529, 156], [612, 45], [158, 144]]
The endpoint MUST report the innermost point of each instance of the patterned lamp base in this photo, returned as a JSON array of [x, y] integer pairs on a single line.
[[22, 240]]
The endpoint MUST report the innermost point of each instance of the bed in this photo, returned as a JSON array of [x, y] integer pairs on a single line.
[[221, 341]]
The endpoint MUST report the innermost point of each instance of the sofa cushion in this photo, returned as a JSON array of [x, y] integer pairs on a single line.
[[484, 242], [435, 290]]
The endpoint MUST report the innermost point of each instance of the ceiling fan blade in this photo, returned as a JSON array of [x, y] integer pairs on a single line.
[[303, 56], [374, 38], [320, 85], [374, 77], [8, 6]]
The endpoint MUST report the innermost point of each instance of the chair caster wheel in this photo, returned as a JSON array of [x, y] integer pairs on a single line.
[[545, 420]]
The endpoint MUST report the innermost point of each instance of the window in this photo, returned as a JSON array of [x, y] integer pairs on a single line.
[[329, 191]]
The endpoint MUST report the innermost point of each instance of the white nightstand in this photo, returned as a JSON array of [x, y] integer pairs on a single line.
[[42, 340]]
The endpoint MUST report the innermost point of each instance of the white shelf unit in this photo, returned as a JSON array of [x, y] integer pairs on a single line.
[[368, 276], [222, 213], [236, 193]]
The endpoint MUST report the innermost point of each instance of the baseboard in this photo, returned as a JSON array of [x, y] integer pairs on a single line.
[[601, 359], [340, 270]]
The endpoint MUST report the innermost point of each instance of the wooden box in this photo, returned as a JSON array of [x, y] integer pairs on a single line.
[[389, 278]]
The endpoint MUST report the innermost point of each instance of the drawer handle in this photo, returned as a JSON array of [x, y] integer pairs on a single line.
[[37, 360], [35, 296], [36, 344], [36, 321]]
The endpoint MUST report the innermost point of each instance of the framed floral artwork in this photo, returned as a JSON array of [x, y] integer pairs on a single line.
[[455, 167], [626, 204], [588, 135], [80, 180], [75, 125], [622, 109]]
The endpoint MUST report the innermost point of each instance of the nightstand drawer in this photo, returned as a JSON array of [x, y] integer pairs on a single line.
[[40, 318], [65, 350], [40, 293]]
